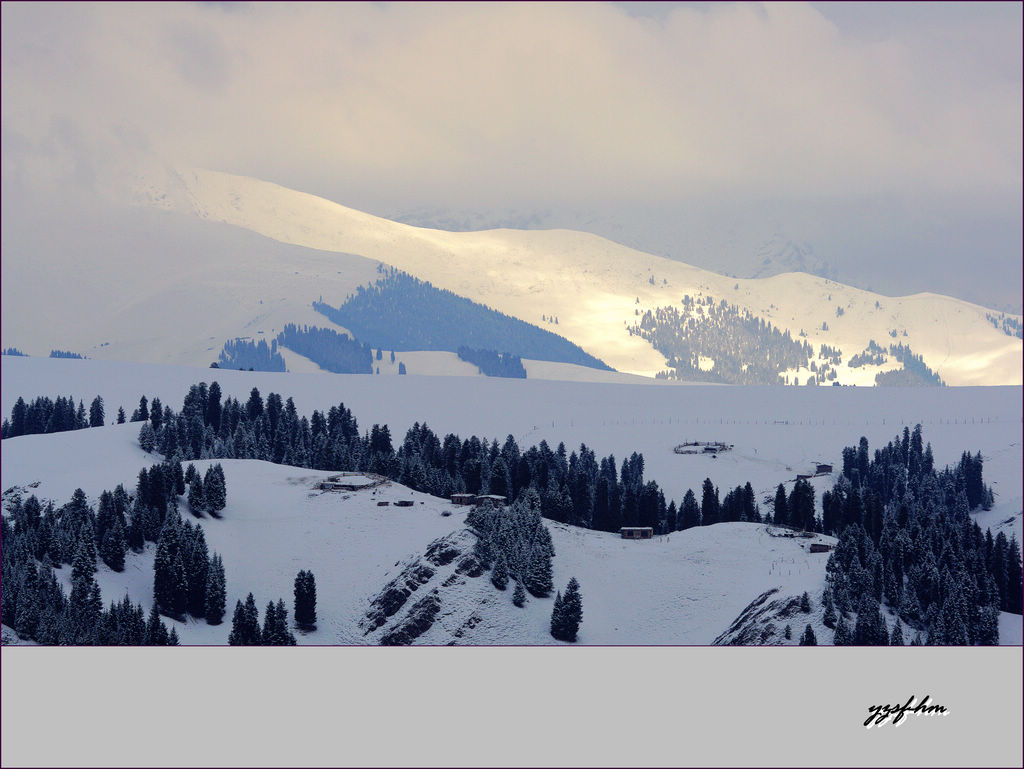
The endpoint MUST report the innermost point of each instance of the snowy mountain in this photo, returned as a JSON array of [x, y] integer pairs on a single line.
[[204, 257], [596, 287], [684, 588]]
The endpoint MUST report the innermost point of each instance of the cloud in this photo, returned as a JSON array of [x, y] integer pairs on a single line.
[[536, 105]]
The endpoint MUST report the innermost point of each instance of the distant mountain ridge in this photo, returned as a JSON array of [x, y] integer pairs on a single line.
[[598, 288], [215, 257]]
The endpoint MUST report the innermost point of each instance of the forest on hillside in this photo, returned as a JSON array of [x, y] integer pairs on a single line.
[[743, 348], [400, 312]]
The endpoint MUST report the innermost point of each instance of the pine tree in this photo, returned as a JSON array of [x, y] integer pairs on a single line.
[[305, 600], [170, 589], [216, 591], [275, 626], [156, 631], [557, 618], [245, 624], [197, 573], [197, 495], [96, 414], [870, 630], [808, 638], [147, 440], [805, 603], [83, 568], [1014, 585], [114, 547], [214, 490], [830, 610], [781, 516], [897, 634], [519, 595], [538, 577], [842, 635], [709, 506], [689, 513], [567, 616], [499, 576], [787, 632]]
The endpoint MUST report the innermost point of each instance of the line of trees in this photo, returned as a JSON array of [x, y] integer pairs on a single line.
[[43, 415], [248, 355], [492, 363], [330, 350]]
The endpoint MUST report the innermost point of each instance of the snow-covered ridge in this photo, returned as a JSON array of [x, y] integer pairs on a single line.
[[593, 285]]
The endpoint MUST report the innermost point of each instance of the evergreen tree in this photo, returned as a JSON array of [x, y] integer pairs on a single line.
[[147, 439], [305, 600], [170, 589], [197, 495], [245, 624], [216, 591], [808, 638], [156, 631], [567, 613], [710, 505], [197, 572], [787, 632], [896, 639], [82, 570], [114, 547], [805, 603], [842, 636], [689, 514], [141, 414], [781, 516], [557, 620], [538, 577], [214, 489], [801, 506], [870, 630], [519, 595], [499, 576], [275, 626], [1013, 577], [96, 413]]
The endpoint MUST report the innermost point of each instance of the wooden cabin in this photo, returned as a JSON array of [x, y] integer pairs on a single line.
[[463, 499], [820, 547], [823, 469], [637, 532]]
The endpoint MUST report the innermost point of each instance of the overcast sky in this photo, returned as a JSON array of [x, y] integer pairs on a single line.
[[886, 137]]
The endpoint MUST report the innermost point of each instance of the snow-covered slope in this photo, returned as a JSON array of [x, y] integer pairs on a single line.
[[684, 588], [593, 285]]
